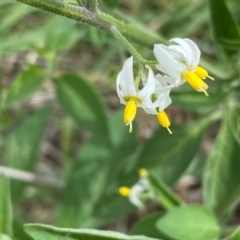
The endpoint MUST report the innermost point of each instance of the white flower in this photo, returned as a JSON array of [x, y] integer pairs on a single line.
[[138, 190], [163, 100], [180, 63], [132, 97], [141, 187]]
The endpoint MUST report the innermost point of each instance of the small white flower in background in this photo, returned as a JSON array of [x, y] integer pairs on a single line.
[[132, 97], [138, 190], [180, 63]]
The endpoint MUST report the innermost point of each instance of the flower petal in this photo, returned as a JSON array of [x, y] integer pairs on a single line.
[[191, 49], [127, 78], [168, 64], [196, 52], [119, 90], [149, 86]]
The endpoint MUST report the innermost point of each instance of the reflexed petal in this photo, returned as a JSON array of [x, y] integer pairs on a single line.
[[161, 81], [167, 63], [134, 197], [196, 52], [119, 90], [127, 78], [187, 49], [149, 87], [165, 103], [191, 49], [151, 111]]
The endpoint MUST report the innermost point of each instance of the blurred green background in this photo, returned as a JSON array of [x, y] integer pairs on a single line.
[[61, 120]]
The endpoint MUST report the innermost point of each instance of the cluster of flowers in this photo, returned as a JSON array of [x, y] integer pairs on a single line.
[[177, 63]]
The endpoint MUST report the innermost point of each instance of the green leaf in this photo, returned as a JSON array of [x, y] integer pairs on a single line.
[[60, 34], [101, 168], [79, 201], [164, 194], [223, 26], [147, 227], [20, 11], [24, 85], [5, 207], [198, 103], [235, 235], [81, 102], [189, 222], [24, 144], [221, 177], [43, 232], [168, 156]]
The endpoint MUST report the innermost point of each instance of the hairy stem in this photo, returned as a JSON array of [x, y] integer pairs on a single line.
[[92, 5], [128, 45], [97, 19]]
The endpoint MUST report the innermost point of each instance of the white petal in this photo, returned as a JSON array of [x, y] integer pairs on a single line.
[[162, 92], [161, 81], [119, 91], [196, 52], [167, 63], [149, 87], [165, 103], [127, 78], [134, 197], [151, 111], [191, 49]]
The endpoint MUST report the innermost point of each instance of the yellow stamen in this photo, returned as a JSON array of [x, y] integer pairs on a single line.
[[130, 113], [202, 73], [124, 191], [195, 82], [142, 172], [164, 120]]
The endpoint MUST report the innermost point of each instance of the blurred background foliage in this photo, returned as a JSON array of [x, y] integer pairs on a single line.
[[61, 122]]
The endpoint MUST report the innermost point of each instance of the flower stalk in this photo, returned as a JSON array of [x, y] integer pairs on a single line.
[[98, 19]]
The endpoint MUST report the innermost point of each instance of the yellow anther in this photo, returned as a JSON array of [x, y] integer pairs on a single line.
[[124, 191], [202, 73], [195, 82], [130, 113], [142, 172], [164, 120]]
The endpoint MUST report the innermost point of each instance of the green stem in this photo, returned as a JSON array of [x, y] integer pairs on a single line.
[[92, 5], [98, 19], [128, 45]]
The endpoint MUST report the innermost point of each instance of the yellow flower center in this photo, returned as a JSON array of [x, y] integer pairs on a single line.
[[164, 120], [124, 191], [130, 111], [195, 82]]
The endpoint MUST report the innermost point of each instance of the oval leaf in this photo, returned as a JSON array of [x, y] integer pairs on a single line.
[[43, 232], [189, 222], [80, 101]]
